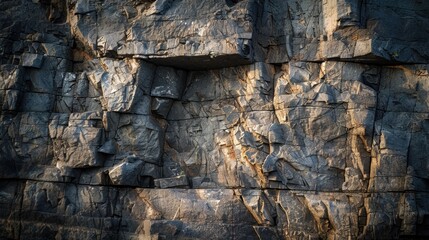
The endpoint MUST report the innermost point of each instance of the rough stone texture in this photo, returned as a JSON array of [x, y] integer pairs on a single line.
[[209, 119]]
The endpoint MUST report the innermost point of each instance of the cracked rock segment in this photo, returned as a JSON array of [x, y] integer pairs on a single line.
[[214, 119]]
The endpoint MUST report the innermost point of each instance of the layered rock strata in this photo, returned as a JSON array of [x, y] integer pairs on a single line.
[[232, 119]]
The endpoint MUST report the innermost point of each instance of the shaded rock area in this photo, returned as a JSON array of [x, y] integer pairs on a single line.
[[210, 119]]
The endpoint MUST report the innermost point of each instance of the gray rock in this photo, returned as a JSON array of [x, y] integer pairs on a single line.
[[11, 100], [186, 48], [174, 182], [56, 50], [42, 81], [109, 147], [159, 7], [32, 60], [117, 84], [142, 136], [127, 172], [235, 119], [81, 146], [77, 140], [161, 106], [152, 171], [145, 76], [168, 83], [37, 102], [84, 6], [259, 206], [11, 77], [276, 134]]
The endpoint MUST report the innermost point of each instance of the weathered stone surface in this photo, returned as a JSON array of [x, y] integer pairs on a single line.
[[127, 172], [168, 83], [140, 135], [118, 84], [177, 182], [32, 60], [77, 143], [235, 119], [341, 29], [200, 31]]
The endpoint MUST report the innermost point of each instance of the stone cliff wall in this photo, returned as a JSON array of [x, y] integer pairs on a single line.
[[214, 119]]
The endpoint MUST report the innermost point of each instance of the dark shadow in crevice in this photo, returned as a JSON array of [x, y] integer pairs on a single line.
[[231, 3]]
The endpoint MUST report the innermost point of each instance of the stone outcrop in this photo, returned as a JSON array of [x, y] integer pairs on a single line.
[[209, 119]]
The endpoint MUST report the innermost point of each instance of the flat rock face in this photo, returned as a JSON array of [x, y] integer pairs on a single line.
[[204, 119], [200, 34]]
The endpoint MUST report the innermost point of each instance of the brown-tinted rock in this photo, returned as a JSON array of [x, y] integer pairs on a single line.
[[232, 119]]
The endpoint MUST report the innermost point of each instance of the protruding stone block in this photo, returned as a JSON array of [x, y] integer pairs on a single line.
[[32, 60]]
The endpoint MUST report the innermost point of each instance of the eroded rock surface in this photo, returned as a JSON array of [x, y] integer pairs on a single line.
[[207, 119]]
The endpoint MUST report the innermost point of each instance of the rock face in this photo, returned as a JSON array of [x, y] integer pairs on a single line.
[[214, 119]]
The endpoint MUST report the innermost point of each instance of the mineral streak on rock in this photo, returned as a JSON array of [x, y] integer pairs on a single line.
[[214, 119]]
